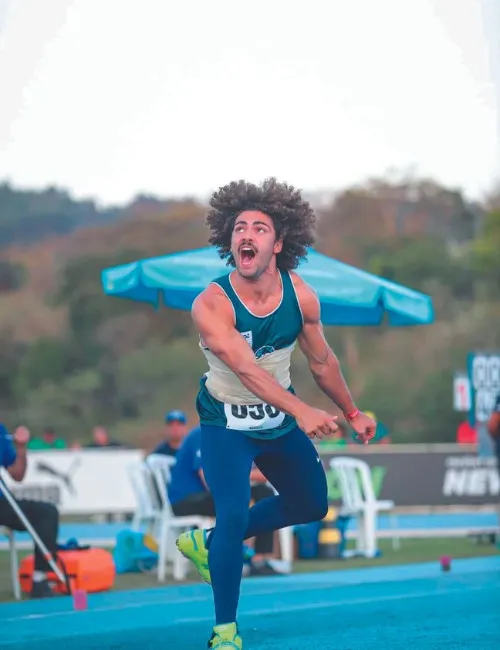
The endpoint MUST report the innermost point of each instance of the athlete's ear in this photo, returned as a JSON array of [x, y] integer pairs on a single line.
[[278, 246]]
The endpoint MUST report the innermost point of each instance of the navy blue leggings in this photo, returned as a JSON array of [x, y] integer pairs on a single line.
[[290, 463]]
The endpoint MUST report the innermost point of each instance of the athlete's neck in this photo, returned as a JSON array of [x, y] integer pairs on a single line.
[[260, 289]]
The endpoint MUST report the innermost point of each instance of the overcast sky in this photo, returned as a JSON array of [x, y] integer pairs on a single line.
[[109, 98]]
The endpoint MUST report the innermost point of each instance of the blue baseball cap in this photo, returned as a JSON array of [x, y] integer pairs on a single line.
[[176, 416]]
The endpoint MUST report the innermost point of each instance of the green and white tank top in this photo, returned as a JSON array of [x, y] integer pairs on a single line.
[[222, 399]]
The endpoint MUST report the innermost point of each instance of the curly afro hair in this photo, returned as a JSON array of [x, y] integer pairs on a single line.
[[292, 216]]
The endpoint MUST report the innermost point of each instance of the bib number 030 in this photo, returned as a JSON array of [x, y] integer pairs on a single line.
[[253, 417]]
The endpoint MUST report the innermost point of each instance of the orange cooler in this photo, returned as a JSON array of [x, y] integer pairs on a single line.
[[91, 569]]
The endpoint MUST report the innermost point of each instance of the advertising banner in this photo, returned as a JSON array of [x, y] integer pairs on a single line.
[[80, 482], [97, 481], [427, 478]]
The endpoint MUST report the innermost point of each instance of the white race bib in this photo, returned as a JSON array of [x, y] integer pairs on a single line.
[[254, 417]]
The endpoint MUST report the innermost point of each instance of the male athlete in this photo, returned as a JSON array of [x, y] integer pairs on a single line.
[[249, 322]]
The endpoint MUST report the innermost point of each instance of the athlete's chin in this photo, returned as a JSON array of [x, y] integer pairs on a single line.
[[248, 273]]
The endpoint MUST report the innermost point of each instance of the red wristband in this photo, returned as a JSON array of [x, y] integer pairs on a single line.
[[351, 416]]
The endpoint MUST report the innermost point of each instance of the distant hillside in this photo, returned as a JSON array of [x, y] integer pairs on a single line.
[[376, 227], [144, 229], [28, 216], [71, 357]]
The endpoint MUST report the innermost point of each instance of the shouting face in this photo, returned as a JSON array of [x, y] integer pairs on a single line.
[[254, 243]]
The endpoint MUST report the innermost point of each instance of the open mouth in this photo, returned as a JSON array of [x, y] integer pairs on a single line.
[[247, 255]]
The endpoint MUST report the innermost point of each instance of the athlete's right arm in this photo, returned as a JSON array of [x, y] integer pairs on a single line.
[[214, 319]]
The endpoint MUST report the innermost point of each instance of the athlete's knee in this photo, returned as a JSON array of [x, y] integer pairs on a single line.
[[320, 508], [313, 506]]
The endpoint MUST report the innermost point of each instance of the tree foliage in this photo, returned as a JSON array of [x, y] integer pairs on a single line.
[[89, 359], [12, 276], [486, 253]]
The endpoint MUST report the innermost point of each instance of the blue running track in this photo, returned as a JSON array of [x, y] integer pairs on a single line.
[[414, 607]]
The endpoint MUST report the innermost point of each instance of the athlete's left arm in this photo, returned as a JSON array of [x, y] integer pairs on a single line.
[[324, 364]]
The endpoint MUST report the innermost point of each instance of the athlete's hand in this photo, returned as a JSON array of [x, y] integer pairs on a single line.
[[316, 423], [364, 426]]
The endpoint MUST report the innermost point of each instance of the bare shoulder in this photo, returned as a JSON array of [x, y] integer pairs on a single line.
[[212, 303], [214, 319], [307, 297]]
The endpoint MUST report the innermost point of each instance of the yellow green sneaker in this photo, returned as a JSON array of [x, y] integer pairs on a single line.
[[226, 636], [193, 546]]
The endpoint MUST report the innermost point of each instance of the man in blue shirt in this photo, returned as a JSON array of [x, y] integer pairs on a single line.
[[175, 432], [43, 516], [189, 495]]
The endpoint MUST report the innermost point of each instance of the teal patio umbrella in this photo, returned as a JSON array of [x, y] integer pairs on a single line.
[[348, 296]]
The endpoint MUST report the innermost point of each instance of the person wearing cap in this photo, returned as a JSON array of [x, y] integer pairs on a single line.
[[175, 432]]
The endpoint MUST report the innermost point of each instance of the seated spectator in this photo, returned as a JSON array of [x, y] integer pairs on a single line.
[[175, 432], [189, 495], [43, 516], [48, 440], [100, 438]]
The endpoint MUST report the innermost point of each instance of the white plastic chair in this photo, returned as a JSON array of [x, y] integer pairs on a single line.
[[162, 465], [14, 561], [171, 525], [148, 505], [286, 546], [358, 499], [149, 480]]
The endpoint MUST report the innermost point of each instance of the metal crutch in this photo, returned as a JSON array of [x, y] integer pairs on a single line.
[[17, 509]]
